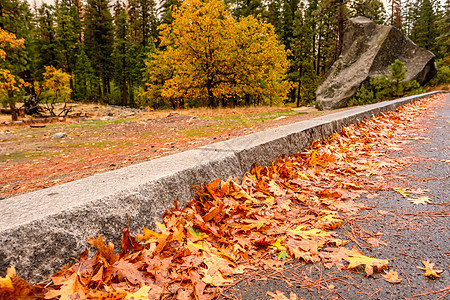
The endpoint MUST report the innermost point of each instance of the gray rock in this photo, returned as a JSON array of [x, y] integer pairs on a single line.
[[59, 135], [368, 51]]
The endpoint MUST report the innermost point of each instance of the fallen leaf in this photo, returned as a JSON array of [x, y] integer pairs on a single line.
[[280, 296], [402, 192], [356, 259], [429, 270], [420, 200], [392, 277]]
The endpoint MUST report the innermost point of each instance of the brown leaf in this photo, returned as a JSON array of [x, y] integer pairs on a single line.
[[392, 277], [129, 271], [280, 296], [105, 251]]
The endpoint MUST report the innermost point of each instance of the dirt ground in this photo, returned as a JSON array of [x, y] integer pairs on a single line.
[[97, 138]]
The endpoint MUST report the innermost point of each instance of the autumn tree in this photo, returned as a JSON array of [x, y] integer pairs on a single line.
[[15, 23], [56, 89], [216, 58], [9, 82]]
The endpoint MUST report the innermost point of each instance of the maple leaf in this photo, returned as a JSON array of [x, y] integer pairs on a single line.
[[392, 277], [429, 270], [356, 259], [280, 296], [420, 200]]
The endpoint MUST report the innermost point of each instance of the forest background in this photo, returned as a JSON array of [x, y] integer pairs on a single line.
[[143, 53]]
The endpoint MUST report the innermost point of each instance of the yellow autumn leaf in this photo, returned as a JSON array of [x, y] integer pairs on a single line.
[[429, 270], [141, 294], [356, 259], [392, 277], [402, 192]]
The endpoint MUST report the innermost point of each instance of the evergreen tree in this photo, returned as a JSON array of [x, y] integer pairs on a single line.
[[424, 31], [68, 37], [143, 22], [99, 38], [167, 7], [372, 9], [45, 40], [443, 38], [244, 8], [410, 11], [396, 13], [121, 48], [302, 63], [86, 83], [273, 15]]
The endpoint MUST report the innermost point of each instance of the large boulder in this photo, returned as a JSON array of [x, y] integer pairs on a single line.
[[368, 51]]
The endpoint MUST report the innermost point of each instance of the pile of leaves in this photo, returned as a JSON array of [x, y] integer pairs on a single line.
[[285, 211]]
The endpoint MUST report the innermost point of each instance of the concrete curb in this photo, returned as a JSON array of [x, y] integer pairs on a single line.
[[41, 230]]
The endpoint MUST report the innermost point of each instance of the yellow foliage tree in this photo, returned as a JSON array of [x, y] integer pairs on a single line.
[[215, 57], [9, 83], [56, 88]]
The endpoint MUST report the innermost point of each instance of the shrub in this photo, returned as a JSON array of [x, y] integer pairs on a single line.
[[362, 96]]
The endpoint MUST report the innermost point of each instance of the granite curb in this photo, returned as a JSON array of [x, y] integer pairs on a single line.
[[40, 231]]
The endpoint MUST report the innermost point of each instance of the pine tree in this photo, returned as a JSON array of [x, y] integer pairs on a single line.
[[167, 7], [424, 31], [443, 38], [273, 15], [372, 9], [99, 37], [143, 22], [303, 58], [396, 13], [45, 40], [244, 8], [68, 37], [86, 83], [121, 48]]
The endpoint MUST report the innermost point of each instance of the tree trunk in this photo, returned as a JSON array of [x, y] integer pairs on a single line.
[[341, 19], [211, 101]]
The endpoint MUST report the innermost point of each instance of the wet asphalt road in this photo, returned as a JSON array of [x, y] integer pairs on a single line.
[[411, 232]]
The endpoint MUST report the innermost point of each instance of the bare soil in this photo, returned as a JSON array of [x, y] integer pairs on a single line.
[[101, 138]]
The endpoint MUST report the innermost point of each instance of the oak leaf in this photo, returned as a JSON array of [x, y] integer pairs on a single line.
[[356, 259], [105, 251], [392, 277], [429, 270], [71, 286], [420, 200]]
